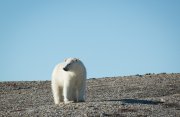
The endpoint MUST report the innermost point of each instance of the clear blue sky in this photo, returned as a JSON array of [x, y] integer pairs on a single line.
[[111, 37]]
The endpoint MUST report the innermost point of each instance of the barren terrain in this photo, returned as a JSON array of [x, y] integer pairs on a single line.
[[155, 95]]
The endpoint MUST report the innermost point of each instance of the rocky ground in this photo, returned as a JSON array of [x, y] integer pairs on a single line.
[[154, 95]]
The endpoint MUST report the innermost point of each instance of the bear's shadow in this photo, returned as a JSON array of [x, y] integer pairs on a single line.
[[137, 101]]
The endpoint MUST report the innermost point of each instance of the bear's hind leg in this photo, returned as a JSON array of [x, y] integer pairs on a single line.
[[61, 94], [76, 96], [79, 96], [57, 94]]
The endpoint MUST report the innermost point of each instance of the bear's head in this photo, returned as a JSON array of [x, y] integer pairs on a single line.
[[73, 65]]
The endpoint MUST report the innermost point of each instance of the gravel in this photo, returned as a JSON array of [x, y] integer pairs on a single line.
[[154, 95]]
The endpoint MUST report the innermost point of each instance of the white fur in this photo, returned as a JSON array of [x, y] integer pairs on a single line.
[[69, 86]]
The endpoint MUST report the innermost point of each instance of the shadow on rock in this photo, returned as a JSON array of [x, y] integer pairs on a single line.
[[137, 101]]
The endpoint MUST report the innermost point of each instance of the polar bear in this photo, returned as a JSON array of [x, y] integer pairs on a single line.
[[69, 81]]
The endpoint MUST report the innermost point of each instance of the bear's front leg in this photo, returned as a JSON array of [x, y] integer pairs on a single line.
[[67, 93]]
